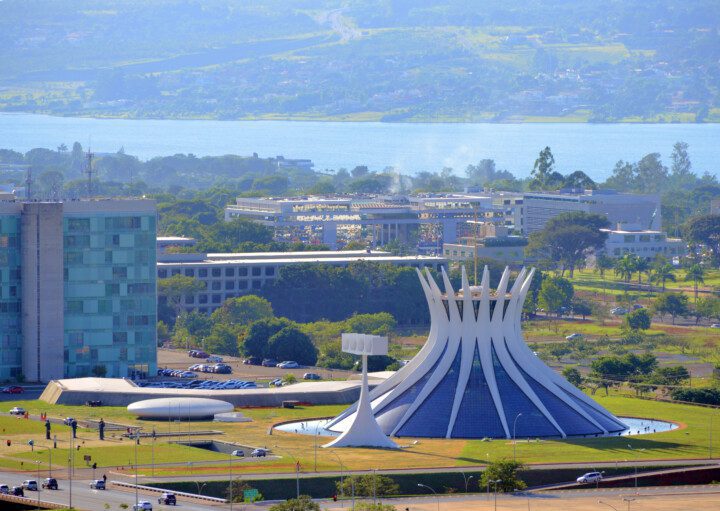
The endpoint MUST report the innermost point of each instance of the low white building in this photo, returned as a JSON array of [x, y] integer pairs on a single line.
[[631, 239]]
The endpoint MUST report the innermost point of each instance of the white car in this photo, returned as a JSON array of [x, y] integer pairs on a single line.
[[715, 325], [288, 364], [30, 484], [142, 505], [214, 359], [618, 311], [259, 452], [590, 477], [572, 337], [17, 411], [238, 452]]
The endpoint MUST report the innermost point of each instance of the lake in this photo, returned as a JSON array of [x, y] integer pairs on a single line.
[[593, 148]]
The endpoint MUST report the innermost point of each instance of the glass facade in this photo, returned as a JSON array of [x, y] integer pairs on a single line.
[[110, 294], [10, 296]]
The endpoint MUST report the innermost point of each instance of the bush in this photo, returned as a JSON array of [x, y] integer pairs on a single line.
[[368, 485], [304, 503], [506, 472], [638, 320], [705, 396]]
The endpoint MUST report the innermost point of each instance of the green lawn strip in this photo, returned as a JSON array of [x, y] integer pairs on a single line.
[[688, 442], [108, 413], [276, 415], [14, 425]]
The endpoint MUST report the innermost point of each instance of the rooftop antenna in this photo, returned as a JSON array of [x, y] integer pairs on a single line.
[[28, 184], [89, 170]]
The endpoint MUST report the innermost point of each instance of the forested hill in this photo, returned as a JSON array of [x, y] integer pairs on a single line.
[[392, 60]]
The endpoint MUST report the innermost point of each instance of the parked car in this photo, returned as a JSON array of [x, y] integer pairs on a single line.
[[715, 325], [68, 420], [30, 485], [277, 382], [222, 369], [13, 389], [637, 306], [574, 336], [238, 452], [213, 359], [4, 489], [269, 362], [143, 505], [259, 453], [17, 410], [288, 364], [252, 361], [50, 483], [311, 376], [17, 491], [97, 484], [618, 311], [590, 477], [168, 499]]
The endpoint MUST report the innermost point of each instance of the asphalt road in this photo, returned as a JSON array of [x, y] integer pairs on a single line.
[[86, 499]]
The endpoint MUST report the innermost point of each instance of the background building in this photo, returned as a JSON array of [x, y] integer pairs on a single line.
[[633, 239], [231, 275], [77, 288], [617, 207]]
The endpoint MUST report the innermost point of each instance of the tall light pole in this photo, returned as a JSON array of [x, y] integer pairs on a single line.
[[436, 495], [137, 440], [297, 472], [514, 437], [71, 462], [467, 480], [342, 488], [374, 487], [609, 505], [317, 424], [636, 462], [496, 483], [38, 482], [231, 481], [628, 500]]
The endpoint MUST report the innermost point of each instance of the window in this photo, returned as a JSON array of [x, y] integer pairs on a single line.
[[202, 299], [78, 225], [256, 284], [216, 272], [175, 271], [242, 272], [216, 298], [243, 284], [229, 285], [162, 274], [189, 299], [269, 271], [216, 285], [229, 272], [189, 272], [256, 271], [202, 272], [119, 272]]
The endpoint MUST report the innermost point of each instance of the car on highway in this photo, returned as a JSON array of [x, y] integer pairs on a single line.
[[142, 505], [573, 337], [590, 477], [30, 485], [17, 491], [238, 452], [311, 376], [97, 484], [4, 489], [50, 483], [168, 499], [17, 410], [288, 364], [13, 389], [259, 452]]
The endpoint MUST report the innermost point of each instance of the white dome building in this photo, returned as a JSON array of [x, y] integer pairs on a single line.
[[184, 408]]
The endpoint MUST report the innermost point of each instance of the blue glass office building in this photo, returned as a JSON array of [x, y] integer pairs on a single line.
[[476, 378], [77, 289]]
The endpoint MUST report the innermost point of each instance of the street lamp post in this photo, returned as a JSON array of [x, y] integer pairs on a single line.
[[374, 487], [636, 471], [231, 481], [71, 460], [467, 480], [496, 483], [436, 495], [342, 487], [297, 472], [38, 482], [137, 441], [608, 505], [628, 500], [515, 437]]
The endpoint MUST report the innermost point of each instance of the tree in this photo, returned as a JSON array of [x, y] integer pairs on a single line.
[[708, 307], [304, 503], [638, 320], [572, 375], [368, 485], [223, 339], [603, 262], [706, 230], [661, 272], [625, 267], [681, 166], [243, 310], [173, 288], [256, 339], [696, 274], [568, 238], [642, 265], [542, 169], [505, 471], [675, 304], [291, 343], [555, 294], [581, 307]]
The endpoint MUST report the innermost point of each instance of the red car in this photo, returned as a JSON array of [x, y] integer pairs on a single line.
[[13, 389]]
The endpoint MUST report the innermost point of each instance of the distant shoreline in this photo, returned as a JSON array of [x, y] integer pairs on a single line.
[[365, 117]]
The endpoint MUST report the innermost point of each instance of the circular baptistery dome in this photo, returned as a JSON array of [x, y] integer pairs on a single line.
[[179, 408]]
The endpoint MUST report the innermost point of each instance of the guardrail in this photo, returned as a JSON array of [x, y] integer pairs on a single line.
[[30, 501], [176, 493]]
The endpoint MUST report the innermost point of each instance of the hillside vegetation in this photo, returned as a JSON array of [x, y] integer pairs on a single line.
[[401, 60]]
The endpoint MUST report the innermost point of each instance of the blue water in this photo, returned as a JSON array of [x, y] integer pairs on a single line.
[[411, 148]]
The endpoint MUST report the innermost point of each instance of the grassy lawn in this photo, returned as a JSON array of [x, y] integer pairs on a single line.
[[689, 442]]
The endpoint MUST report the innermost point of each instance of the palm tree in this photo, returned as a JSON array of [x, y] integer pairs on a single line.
[[697, 275], [625, 267], [603, 263], [641, 266], [662, 271]]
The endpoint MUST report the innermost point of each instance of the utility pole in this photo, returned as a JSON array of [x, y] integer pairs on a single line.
[[89, 171]]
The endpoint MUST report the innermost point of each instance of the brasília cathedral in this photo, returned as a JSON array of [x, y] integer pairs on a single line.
[[476, 378]]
